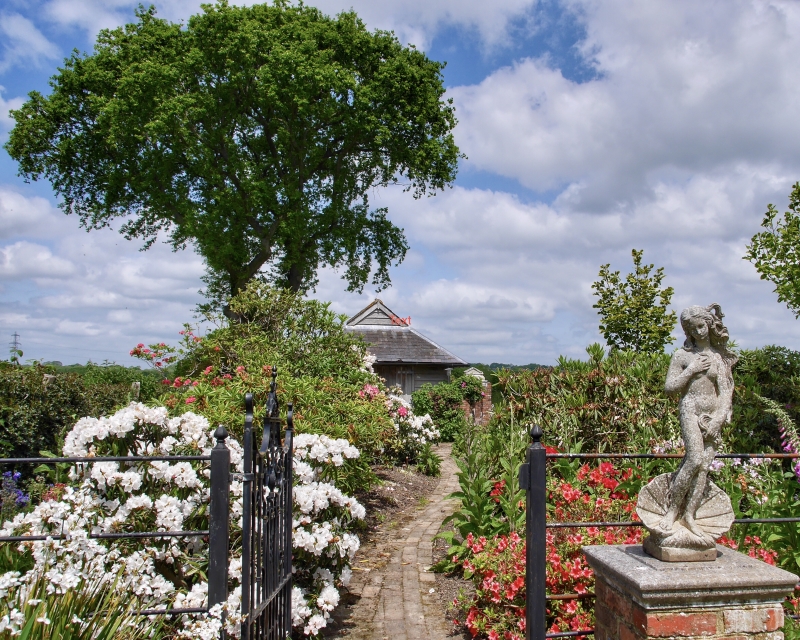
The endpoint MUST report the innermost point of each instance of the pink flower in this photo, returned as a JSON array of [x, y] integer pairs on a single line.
[[207, 370], [190, 400], [402, 412]]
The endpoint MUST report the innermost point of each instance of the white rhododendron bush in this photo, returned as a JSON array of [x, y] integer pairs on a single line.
[[173, 496]]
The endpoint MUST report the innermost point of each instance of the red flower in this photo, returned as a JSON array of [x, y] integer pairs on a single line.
[[190, 400]]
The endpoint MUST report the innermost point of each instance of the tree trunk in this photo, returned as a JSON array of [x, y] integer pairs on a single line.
[[294, 278]]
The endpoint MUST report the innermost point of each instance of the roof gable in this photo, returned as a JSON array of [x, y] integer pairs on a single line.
[[392, 340], [377, 314]]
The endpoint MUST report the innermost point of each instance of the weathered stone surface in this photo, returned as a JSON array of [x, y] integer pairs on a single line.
[[734, 579], [640, 598], [678, 554], [714, 516], [684, 510]]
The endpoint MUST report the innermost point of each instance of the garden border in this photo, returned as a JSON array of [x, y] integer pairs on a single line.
[[533, 479], [218, 516]]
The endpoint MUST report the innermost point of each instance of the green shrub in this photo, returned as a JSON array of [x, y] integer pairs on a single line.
[[606, 403], [616, 402], [443, 403], [35, 412], [428, 461], [771, 373], [115, 374], [320, 369]]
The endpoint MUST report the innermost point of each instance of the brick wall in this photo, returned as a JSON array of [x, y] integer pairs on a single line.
[[482, 409], [619, 618]]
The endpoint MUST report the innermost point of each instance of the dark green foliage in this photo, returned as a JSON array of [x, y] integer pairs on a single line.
[[607, 403], [254, 134], [775, 252], [616, 402], [771, 372], [633, 312], [35, 415], [443, 403], [115, 374]]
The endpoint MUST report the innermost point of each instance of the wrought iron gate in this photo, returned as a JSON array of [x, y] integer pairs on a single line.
[[267, 525]]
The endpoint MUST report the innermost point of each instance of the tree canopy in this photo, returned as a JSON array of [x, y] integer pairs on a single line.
[[253, 134], [634, 312], [775, 252]]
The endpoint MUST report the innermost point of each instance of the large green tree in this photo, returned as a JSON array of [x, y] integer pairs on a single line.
[[254, 134], [775, 252], [634, 312]]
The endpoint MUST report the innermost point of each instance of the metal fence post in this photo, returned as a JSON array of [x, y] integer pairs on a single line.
[[533, 478], [218, 516]]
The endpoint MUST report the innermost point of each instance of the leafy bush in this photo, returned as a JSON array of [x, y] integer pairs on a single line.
[[35, 412], [607, 403], [771, 372], [321, 369], [443, 403], [429, 462], [115, 374]]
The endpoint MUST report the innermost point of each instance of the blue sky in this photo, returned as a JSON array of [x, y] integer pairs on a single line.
[[591, 128]]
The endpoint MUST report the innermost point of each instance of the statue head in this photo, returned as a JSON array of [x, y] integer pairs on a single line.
[[717, 332]]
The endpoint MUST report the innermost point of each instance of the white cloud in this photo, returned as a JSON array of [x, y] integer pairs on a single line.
[[27, 216], [414, 21], [24, 260], [6, 121], [87, 295], [680, 85], [23, 43]]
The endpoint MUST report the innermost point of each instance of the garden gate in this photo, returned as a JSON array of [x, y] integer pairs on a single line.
[[267, 525]]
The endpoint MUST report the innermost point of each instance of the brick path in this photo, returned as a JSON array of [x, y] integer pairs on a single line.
[[394, 589]]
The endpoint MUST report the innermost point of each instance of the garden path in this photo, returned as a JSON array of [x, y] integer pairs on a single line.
[[395, 591]]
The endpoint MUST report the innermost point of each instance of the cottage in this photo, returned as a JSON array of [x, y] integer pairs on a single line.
[[404, 357]]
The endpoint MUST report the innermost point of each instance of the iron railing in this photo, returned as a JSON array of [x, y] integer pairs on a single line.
[[267, 524], [533, 479], [218, 519]]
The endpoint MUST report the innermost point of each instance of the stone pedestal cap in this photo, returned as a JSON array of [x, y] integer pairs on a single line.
[[732, 579]]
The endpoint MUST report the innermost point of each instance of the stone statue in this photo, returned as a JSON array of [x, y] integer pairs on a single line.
[[684, 511]]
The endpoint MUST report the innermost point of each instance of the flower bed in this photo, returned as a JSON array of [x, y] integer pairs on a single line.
[[164, 496], [576, 493]]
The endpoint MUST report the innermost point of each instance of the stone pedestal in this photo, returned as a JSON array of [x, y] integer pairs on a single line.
[[733, 597]]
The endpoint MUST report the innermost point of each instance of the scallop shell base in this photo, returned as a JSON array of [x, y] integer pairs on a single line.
[[713, 518]]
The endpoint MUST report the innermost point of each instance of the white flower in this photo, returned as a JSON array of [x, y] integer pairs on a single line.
[[315, 624], [328, 598]]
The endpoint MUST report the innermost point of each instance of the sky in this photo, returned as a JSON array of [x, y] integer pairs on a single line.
[[591, 128]]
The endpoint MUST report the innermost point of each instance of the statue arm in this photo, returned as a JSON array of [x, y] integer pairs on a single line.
[[678, 375]]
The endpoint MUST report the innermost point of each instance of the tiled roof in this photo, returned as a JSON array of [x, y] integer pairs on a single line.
[[391, 340], [404, 344]]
